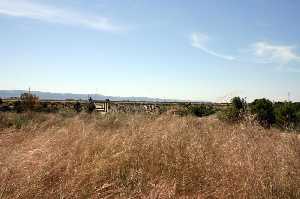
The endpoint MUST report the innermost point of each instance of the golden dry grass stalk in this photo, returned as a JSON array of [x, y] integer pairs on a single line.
[[142, 156]]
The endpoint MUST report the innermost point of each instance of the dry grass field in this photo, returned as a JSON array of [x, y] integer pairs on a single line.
[[144, 156]]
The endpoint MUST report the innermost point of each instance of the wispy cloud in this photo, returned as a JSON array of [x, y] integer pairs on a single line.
[[279, 54], [33, 10], [200, 40]]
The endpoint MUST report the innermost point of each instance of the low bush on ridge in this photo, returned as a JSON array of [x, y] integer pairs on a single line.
[[285, 115], [235, 112], [201, 110], [264, 111], [29, 101]]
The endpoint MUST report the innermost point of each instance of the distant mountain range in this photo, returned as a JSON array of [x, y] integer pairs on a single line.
[[64, 96]]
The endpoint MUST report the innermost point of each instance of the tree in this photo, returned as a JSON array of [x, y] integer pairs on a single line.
[[286, 114], [236, 111], [264, 111], [239, 103]]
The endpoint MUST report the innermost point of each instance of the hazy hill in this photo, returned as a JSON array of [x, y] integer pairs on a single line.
[[64, 96]]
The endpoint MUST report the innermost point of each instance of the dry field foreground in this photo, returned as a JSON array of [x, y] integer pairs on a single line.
[[140, 156]]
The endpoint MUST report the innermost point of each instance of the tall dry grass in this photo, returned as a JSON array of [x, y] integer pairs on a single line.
[[142, 156]]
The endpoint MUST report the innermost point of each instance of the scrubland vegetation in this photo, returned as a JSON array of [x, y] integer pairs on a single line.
[[242, 151], [283, 115], [139, 156]]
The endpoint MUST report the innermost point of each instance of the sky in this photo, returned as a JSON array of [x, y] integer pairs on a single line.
[[208, 50]]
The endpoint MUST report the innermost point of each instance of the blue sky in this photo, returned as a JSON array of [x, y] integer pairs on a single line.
[[197, 50]]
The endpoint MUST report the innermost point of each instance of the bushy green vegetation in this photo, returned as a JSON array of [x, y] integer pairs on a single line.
[[201, 110], [164, 108], [91, 105], [18, 106], [47, 107], [235, 112], [198, 110], [21, 120], [264, 111], [77, 107], [285, 115], [239, 103], [29, 101]]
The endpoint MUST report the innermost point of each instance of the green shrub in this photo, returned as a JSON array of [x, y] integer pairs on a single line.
[[286, 114], [297, 127], [182, 110], [18, 106], [297, 106], [48, 107], [28, 102], [239, 103], [53, 108], [264, 111], [77, 107], [230, 114], [21, 120], [163, 108], [235, 112], [1, 101], [298, 116], [43, 107], [91, 105], [201, 110]]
